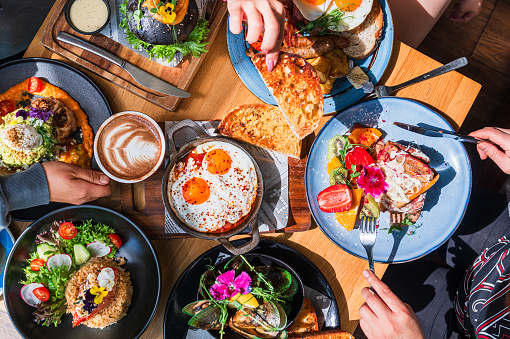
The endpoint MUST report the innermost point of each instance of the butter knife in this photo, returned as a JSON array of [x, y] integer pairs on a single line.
[[142, 77], [440, 134]]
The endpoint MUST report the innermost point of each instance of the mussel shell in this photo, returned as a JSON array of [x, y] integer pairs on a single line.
[[268, 316], [207, 319], [280, 278], [196, 306], [157, 33], [253, 333]]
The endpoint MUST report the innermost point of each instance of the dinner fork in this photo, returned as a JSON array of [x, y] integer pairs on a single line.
[[367, 235], [384, 91]]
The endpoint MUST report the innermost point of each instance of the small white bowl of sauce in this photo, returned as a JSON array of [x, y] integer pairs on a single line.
[[87, 16]]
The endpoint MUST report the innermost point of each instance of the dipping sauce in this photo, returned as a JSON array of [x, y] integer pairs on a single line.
[[88, 15]]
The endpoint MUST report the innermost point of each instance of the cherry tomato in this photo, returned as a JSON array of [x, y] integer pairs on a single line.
[[336, 198], [42, 293], [359, 157], [37, 264], [115, 239], [34, 84], [67, 231], [6, 106]]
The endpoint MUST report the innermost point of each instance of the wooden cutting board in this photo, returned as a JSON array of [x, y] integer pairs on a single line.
[[143, 202], [180, 76]]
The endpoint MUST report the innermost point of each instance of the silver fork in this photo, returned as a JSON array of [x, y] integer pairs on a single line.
[[367, 236], [384, 91]]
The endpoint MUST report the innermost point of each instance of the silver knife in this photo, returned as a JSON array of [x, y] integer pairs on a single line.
[[142, 77], [440, 134]]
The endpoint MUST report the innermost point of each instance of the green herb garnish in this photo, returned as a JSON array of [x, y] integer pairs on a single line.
[[328, 21]]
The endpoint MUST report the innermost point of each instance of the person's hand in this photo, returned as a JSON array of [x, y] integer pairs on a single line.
[[499, 136], [465, 10], [265, 17], [74, 185], [384, 315]]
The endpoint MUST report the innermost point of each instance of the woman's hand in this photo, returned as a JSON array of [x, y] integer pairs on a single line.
[[384, 315], [74, 185], [266, 17], [499, 136], [466, 10]]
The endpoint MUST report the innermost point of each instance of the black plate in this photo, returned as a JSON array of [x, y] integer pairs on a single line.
[[71, 80], [142, 264], [185, 290]]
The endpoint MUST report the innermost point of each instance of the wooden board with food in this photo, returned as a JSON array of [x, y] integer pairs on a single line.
[[142, 20]]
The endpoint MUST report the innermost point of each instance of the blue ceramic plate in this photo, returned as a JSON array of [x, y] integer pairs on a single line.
[[6, 244], [342, 94], [445, 202]]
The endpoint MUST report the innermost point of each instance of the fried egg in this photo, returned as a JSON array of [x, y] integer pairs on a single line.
[[213, 187], [355, 11]]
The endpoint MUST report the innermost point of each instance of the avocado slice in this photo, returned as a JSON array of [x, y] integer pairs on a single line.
[[338, 175], [336, 144], [370, 207]]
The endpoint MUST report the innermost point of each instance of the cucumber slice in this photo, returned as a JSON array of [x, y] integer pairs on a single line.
[[81, 254], [45, 250]]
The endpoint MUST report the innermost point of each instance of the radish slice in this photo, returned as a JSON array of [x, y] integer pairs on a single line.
[[98, 249], [59, 260], [27, 294]]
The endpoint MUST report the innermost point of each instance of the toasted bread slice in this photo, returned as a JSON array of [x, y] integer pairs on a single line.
[[407, 176], [296, 88], [330, 334], [261, 125], [306, 321], [365, 38]]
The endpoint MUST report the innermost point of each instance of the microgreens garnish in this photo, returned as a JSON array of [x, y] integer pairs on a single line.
[[407, 226], [325, 22], [355, 173]]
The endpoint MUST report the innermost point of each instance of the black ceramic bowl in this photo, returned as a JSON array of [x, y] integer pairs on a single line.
[[142, 263], [67, 15]]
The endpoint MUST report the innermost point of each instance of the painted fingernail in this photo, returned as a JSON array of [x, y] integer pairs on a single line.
[[270, 65], [366, 273], [103, 179], [265, 51]]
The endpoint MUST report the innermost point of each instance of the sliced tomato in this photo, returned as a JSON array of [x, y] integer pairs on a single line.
[[358, 157], [34, 85], [334, 199], [67, 230], [6, 106], [115, 239], [42, 293], [37, 264]]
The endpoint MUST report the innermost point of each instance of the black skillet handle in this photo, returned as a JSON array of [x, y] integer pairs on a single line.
[[250, 245], [176, 127]]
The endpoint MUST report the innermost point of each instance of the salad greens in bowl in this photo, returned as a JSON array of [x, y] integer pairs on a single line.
[[55, 247]]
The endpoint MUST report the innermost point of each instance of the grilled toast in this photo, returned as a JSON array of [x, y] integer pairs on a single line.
[[330, 334], [296, 88], [261, 125], [306, 321]]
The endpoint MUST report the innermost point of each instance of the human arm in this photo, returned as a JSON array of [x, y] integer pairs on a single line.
[[499, 136], [265, 17], [384, 315], [466, 10]]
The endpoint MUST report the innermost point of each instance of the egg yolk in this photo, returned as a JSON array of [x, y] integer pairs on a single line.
[[218, 161], [316, 2], [348, 5], [196, 191]]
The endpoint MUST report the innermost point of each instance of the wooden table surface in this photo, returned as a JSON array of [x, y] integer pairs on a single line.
[[215, 90]]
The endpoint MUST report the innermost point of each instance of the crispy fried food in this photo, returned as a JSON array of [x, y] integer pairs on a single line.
[[261, 125], [322, 66], [296, 88], [339, 63], [306, 321], [330, 334]]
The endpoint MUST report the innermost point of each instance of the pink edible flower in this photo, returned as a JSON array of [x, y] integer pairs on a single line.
[[228, 285], [372, 181]]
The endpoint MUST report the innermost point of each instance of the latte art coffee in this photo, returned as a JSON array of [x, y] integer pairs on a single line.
[[129, 147]]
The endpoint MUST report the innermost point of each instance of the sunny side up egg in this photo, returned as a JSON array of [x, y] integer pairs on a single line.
[[213, 187], [355, 11]]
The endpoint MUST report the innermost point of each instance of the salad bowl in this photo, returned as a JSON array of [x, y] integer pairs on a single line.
[[141, 262]]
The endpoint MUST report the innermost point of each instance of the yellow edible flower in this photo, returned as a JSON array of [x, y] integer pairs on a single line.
[[99, 292], [167, 12]]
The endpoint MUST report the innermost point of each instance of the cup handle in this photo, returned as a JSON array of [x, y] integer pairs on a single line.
[[250, 245], [177, 126]]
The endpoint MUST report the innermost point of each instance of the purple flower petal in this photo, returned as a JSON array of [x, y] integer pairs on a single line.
[[22, 113], [226, 278], [219, 291], [243, 282]]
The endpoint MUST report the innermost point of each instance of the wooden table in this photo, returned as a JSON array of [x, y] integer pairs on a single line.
[[215, 90]]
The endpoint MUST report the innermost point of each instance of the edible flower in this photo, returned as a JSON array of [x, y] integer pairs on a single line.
[[38, 113], [22, 113], [372, 181], [168, 13], [99, 292], [228, 285]]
